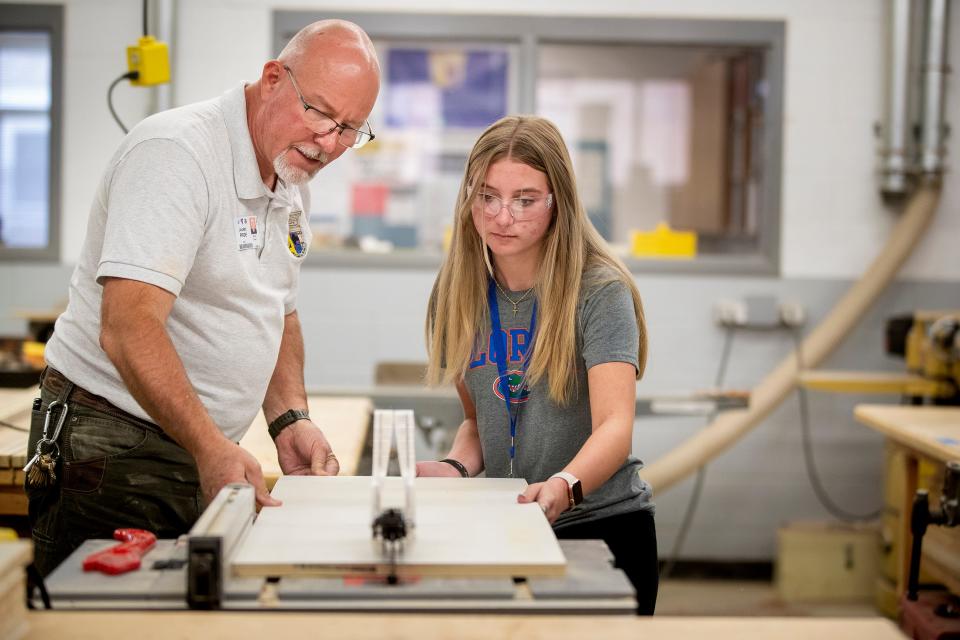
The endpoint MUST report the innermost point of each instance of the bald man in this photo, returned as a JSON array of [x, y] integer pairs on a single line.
[[182, 319]]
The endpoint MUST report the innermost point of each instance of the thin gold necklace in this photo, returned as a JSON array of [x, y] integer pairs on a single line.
[[511, 300]]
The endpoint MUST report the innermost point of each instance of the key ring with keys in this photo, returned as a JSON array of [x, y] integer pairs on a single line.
[[47, 445], [62, 419]]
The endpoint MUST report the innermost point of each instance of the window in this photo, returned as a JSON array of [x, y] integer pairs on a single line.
[[674, 122], [30, 40], [661, 134], [435, 100]]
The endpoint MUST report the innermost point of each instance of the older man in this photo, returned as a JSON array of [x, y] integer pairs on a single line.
[[182, 319]]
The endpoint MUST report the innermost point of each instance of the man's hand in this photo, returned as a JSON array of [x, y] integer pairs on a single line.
[[550, 495], [436, 470], [224, 462], [303, 450]]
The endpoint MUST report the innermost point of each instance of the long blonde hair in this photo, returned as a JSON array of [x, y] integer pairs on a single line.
[[457, 313]]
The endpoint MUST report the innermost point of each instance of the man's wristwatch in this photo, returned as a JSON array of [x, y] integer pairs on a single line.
[[574, 488], [286, 419]]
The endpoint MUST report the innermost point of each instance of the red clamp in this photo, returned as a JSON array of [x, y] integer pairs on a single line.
[[122, 557]]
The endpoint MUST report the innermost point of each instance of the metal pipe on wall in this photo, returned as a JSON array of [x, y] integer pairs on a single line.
[[934, 82], [895, 131], [164, 17]]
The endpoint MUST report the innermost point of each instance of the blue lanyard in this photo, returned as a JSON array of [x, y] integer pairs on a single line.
[[498, 353]]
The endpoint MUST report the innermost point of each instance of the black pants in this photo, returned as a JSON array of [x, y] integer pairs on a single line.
[[113, 471], [632, 539]]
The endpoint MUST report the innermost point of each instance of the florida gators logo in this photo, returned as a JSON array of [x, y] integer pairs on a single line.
[[514, 380]]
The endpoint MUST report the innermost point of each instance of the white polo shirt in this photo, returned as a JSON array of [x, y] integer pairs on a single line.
[[182, 207]]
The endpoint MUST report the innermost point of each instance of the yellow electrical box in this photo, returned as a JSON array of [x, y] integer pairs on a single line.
[[149, 59], [663, 242]]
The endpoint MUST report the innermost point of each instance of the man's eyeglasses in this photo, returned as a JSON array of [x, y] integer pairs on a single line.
[[322, 124], [522, 208]]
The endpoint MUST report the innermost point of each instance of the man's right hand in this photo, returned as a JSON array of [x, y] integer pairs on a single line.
[[225, 462]]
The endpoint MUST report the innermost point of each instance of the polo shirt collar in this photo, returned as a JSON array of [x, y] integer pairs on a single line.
[[246, 172]]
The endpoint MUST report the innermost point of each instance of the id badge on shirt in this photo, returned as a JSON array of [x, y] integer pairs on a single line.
[[248, 234]]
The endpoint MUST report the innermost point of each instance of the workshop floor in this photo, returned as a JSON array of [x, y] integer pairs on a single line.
[[689, 597]]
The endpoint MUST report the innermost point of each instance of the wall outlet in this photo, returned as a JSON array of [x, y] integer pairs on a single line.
[[792, 314], [758, 312], [730, 313]]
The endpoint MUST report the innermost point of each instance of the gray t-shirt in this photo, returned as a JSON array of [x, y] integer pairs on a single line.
[[182, 206], [548, 436]]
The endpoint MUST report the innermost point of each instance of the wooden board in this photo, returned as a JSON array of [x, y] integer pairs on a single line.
[[13, 501], [15, 407], [344, 421], [931, 431], [464, 527], [874, 382], [15, 401], [14, 556]]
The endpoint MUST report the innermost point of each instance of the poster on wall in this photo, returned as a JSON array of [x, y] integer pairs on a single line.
[[445, 88]]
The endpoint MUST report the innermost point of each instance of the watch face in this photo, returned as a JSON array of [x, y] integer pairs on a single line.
[[577, 492]]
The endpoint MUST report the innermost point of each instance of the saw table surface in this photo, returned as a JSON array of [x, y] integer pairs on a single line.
[[464, 527]]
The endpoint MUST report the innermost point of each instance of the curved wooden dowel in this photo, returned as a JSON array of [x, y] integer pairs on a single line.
[[730, 426]]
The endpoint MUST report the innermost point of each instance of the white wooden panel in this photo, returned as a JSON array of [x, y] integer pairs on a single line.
[[465, 526]]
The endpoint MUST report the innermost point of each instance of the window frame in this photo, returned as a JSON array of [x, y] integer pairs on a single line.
[[528, 32], [48, 18]]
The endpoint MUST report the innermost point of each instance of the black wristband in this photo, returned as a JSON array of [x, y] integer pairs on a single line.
[[286, 419], [456, 464]]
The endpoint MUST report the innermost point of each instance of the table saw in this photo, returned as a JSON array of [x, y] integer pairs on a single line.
[[474, 549]]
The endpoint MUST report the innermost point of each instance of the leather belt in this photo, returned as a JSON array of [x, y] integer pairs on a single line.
[[54, 381]]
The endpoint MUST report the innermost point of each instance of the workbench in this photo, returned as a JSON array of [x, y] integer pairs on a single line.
[[345, 422], [239, 625], [15, 405], [920, 440], [54, 625]]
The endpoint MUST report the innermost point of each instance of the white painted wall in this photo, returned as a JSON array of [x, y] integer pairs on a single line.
[[833, 225], [833, 221]]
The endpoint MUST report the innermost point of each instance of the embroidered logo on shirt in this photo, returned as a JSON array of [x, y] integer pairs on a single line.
[[519, 393], [295, 237]]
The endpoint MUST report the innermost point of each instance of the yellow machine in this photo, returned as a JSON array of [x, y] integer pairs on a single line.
[[932, 350], [929, 342]]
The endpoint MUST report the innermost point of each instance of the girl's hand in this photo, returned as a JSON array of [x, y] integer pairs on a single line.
[[550, 495]]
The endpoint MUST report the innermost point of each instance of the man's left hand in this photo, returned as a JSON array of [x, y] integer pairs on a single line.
[[303, 450]]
